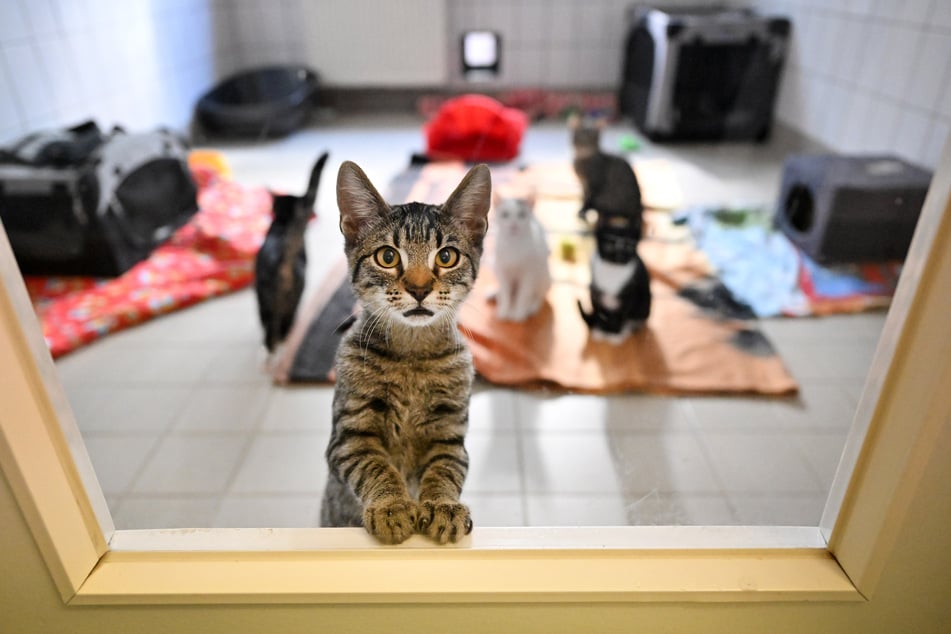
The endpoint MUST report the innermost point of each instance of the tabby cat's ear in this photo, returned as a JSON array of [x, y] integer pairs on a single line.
[[471, 200], [359, 202]]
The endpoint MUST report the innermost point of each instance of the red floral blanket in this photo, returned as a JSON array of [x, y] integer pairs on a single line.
[[211, 255]]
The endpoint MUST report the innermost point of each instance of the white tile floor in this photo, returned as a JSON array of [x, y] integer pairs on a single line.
[[184, 430]]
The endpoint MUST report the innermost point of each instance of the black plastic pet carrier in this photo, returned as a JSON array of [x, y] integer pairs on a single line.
[[702, 73]]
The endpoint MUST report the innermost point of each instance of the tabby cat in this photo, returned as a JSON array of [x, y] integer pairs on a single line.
[[396, 456]]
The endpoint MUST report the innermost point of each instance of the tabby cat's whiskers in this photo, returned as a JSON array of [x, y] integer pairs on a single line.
[[375, 319]]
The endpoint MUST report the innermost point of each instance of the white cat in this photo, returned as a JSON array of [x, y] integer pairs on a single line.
[[520, 259]]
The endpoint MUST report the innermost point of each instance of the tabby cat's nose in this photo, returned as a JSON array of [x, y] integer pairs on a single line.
[[419, 292], [418, 282]]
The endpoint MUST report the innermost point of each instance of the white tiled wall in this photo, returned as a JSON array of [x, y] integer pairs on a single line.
[[267, 32], [869, 75], [552, 43], [561, 43], [861, 76], [548, 43], [137, 63], [349, 42]]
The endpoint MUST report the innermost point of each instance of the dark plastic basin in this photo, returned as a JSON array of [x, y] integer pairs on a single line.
[[265, 102]]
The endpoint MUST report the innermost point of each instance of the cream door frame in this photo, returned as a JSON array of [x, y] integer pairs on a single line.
[[906, 402]]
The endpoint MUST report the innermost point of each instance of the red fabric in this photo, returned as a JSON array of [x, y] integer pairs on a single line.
[[540, 104], [211, 255], [475, 128]]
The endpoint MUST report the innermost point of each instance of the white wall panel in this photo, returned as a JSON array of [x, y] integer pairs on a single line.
[[882, 66], [376, 42]]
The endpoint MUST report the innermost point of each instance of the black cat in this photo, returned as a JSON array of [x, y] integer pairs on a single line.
[[620, 284], [608, 182], [281, 263]]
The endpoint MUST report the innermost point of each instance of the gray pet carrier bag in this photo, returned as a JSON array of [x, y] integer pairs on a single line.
[[96, 209]]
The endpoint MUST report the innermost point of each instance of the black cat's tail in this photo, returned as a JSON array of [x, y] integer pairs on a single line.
[[588, 317], [310, 197]]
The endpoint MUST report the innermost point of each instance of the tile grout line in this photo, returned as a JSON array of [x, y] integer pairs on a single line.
[[515, 410], [694, 425], [150, 455]]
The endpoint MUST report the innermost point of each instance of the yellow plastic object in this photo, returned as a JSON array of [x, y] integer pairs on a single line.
[[569, 250], [207, 163]]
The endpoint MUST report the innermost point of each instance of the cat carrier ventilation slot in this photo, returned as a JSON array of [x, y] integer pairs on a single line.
[[799, 208]]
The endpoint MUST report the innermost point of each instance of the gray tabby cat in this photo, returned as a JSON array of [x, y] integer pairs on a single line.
[[396, 456]]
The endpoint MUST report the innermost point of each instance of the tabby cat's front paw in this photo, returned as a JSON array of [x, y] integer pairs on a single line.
[[391, 521], [444, 521]]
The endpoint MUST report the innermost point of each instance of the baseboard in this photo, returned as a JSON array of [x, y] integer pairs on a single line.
[[399, 99]]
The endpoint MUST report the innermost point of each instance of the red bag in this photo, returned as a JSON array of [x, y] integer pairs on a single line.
[[475, 128]]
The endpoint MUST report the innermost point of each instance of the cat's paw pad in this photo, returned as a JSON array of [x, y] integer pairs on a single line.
[[444, 521], [391, 521]]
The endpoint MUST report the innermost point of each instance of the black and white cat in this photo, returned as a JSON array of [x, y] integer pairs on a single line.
[[620, 283]]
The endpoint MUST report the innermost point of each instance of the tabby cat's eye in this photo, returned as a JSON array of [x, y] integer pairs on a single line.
[[387, 257], [447, 257]]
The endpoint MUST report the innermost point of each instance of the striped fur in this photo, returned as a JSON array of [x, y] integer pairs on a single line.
[[396, 457]]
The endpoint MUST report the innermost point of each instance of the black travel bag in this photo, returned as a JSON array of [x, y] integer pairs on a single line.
[[80, 202]]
